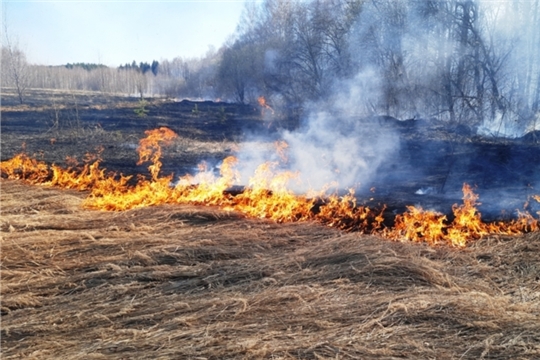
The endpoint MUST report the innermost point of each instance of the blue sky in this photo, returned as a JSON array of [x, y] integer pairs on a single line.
[[118, 32]]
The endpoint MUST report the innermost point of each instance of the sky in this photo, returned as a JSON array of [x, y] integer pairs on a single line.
[[117, 32]]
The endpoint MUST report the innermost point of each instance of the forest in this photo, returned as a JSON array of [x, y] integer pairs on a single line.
[[472, 63]]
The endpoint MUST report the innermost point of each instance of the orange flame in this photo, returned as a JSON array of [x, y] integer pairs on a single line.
[[264, 105], [150, 149], [24, 168], [205, 188], [268, 196], [281, 149], [420, 225]]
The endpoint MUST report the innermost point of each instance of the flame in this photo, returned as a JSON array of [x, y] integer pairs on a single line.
[[281, 150], [432, 227], [205, 188], [114, 195], [22, 167], [267, 196], [419, 225], [343, 213], [264, 105], [150, 149]]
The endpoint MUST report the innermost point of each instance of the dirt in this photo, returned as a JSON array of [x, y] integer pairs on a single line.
[[203, 283]]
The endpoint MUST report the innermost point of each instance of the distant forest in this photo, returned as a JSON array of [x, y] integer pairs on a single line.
[[472, 62]]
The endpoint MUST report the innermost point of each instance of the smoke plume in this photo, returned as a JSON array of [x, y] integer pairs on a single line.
[[338, 146]]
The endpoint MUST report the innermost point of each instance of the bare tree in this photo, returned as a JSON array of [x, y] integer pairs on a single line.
[[14, 65], [237, 70]]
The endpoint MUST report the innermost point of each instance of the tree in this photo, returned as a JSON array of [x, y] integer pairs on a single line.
[[144, 67], [466, 62], [237, 73], [15, 66], [293, 50], [154, 67]]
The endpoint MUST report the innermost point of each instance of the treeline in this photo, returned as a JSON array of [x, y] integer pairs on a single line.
[[142, 67], [473, 62], [85, 66], [468, 62], [191, 78]]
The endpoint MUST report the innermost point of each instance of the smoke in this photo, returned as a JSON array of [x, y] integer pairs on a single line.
[[500, 127], [332, 150], [412, 44], [337, 146], [409, 62]]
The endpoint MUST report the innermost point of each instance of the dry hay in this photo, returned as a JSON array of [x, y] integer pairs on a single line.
[[184, 282]]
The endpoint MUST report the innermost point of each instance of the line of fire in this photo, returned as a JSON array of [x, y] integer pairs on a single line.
[[266, 196]]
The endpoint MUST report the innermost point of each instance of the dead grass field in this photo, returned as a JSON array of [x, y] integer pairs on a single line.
[[183, 282]]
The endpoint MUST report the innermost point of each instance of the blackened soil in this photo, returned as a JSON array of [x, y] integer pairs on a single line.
[[432, 167], [52, 125]]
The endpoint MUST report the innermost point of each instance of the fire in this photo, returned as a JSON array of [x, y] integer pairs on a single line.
[[267, 196], [264, 105], [281, 150], [418, 224], [150, 149], [23, 167], [112, 193], [205, 188], [432, 227], [38, 172]]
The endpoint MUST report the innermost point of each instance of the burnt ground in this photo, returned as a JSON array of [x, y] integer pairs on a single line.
[[186, 282], [54, 124]]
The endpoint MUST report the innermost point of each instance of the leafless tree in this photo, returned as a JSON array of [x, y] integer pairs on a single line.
[[237, 72], [14, 65]]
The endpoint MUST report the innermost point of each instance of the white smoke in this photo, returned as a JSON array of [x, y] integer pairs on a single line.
[[337, 147], [500, 127]]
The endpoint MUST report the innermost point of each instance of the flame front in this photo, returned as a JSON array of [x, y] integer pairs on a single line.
[[432, 227], [267, 196]]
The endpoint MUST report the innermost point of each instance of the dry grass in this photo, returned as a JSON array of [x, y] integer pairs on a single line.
[[199, 283]]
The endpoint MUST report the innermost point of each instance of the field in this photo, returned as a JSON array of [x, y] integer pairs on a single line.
[[196, 282]]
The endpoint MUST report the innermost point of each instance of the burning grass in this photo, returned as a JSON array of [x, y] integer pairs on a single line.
[[183, 281], [267, 197], [175, 280]]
